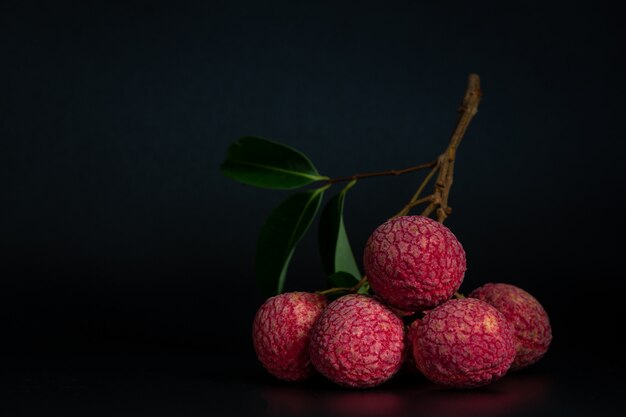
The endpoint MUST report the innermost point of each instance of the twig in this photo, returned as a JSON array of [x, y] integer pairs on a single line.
[[413, 202], [467, 111], [389, 172], [445, 162], [422, 200]]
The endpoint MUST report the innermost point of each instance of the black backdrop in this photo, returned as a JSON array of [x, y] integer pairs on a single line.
[[118, 234]]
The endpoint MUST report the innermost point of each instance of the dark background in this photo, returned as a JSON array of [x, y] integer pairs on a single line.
[[118, 235]]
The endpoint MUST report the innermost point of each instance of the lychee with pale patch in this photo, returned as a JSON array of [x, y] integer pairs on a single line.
[[358, 342], [281, 333], [414, 263], [531, 325], [463, 343]]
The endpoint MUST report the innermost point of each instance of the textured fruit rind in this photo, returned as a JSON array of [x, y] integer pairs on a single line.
[[414, 263], [463, 343], [357, 342], [281, 333], [531, 325]]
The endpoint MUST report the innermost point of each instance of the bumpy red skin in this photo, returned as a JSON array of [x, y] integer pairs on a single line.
[[463, 343], [357, 342], [281, 333], [531, 325], [414, 263]]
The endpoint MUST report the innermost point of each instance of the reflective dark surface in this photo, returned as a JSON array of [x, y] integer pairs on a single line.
[[166, 385], [118, 234]]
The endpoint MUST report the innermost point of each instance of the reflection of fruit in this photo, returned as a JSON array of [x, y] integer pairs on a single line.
[[531, 325], [413, 262], [518, 394], [463, 343], [357, 342], [364, 404], [288, 400], [281, 333]]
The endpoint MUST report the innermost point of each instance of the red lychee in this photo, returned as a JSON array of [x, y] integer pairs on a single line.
[[530, 322], [414, 263], [357, 342], [463, 344], [281, 333]]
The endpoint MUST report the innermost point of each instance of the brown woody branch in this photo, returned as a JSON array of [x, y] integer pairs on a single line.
[[389, 172], [438, 200]]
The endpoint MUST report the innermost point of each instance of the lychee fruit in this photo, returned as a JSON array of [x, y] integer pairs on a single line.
[[463, 344], [414, 263], [530, 322], [357, 342], [281, 333]]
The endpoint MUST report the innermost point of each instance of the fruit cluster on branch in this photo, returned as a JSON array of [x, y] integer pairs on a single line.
[[404, 312], [415, 265]]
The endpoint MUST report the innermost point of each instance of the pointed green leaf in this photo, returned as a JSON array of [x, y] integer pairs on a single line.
[[279, 236], [266, 164], [333, 240], [343, 279]]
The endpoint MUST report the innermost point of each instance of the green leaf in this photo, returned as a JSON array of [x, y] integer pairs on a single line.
[[335, 247], [266, 164], [279, 236], [343, 279]]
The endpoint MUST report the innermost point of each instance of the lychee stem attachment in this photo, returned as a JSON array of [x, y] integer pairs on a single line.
[[352, 289]]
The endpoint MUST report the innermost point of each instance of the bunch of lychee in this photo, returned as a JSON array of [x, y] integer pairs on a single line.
[[415, 267]]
